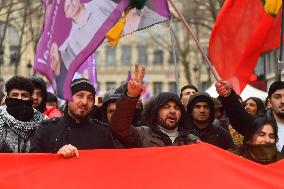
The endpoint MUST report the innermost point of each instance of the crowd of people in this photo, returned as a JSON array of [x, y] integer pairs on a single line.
[[30, 120]]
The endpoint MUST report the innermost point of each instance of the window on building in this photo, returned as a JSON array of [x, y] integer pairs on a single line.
[[110, 87], [259, 69], [204, 85], [157, 88], [126, 54], [13, 36], [14, 45], [172, 87], [110, 55], [158, 57], [14, 54], [171, 57], [269, 60], [142, 54]]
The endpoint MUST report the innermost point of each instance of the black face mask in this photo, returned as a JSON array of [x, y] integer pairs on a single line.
[[21, 110]]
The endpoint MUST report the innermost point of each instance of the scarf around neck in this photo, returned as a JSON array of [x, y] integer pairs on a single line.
[[260, 153], [24, 129]]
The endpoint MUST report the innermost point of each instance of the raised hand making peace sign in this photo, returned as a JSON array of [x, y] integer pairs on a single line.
[[135, 83]]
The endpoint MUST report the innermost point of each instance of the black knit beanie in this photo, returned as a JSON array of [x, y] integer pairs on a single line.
[[82, 84]]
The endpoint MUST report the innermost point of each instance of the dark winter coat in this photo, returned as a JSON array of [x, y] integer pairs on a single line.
[[150, 135], [213, 134], [53, 134]]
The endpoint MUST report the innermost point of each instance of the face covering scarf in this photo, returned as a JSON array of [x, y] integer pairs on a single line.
[[21, 110]]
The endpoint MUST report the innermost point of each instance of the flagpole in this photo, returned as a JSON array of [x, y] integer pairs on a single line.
[[174, 57], [213, 70], [280, 60]]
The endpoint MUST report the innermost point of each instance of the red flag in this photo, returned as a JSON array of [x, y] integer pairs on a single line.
[[243, 30], [194, 166]]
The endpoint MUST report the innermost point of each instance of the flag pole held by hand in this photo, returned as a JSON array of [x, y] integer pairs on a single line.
[[186, 25]]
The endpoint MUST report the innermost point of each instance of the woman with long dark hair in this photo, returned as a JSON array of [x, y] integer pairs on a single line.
[[259, 143], [254, 106]]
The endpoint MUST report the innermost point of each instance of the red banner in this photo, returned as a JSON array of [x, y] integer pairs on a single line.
[[194, 166]]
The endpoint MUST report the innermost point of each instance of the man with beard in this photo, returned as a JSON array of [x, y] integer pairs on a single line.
[[201, 111], [74, 130], [18, 119], [167, 123], [241, 119], [40, 94]]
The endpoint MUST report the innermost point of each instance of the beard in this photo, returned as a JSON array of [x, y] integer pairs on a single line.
[[280, 115], [165, 125], [200, 121], [77, 114]]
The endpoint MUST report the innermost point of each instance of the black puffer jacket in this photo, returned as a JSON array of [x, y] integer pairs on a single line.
[[213, 134], [150, 135]]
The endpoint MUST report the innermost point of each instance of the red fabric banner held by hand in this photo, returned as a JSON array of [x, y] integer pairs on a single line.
[[194, 166], [241, 33]]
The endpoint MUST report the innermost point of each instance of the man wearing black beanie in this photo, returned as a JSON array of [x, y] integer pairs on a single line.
[[75, 130]]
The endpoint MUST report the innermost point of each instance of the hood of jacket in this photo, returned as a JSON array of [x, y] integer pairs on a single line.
[[160, 101], [108, 99], [201, 97]]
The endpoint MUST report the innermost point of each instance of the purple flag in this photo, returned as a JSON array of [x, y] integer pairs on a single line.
[[88, 70], [74, 29]]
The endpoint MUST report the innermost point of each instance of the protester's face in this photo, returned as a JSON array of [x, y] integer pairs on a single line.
[[219, 113], [19, 94], [37, 97], [265, 135], [111, 107], [55, 59], [251, 107], [82, 104], [277, 103], [169, 115], [200, 112], [53, 104], [71, 8], [186, 94]]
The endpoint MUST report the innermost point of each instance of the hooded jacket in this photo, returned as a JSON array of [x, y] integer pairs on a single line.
[[108, 99], [212, 134], [148, 135], [38, 82]]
